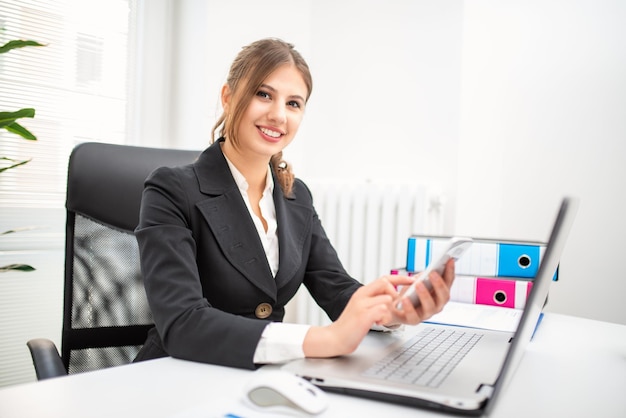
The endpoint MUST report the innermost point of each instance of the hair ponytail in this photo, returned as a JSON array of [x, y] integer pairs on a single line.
[[283, 173]]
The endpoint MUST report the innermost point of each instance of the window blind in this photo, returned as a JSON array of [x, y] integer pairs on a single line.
[[78, 83], [81, 85]]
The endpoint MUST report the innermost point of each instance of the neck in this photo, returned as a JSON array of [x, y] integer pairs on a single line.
[[254, 169]]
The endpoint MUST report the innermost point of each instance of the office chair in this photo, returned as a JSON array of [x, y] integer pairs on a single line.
[[105, 312]]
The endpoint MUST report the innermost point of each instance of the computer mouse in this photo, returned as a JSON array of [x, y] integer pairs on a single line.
[[281, 391]]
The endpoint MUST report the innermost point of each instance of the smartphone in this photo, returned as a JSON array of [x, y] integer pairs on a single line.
[[454, 249]]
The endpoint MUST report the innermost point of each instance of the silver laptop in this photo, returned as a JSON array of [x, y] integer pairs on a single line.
[[449, 368]]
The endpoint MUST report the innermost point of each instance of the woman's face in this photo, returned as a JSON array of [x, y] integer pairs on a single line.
[[274, 114]]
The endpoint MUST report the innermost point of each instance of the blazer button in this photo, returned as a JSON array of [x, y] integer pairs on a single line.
[[263, 310]]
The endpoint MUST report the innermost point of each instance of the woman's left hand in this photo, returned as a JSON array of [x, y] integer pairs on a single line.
[[430, 302]]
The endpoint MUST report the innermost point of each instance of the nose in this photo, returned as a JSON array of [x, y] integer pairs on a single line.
[[277, 114]]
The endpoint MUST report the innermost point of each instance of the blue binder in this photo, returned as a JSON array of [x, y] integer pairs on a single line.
[[486, 257], [518, 260]]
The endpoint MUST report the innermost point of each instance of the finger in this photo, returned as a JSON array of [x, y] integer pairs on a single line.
[[375, 310], [427, 303], [405, 304], [398, 280], [382, 285], [408, 314], [396, 283], [368, 302], [449, 272], [441, 291], [381, 315], [404, 284], [388, 285]]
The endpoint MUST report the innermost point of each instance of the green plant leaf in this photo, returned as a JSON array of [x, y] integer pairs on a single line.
[[19, 267], [18, 129], [16, 163], [8, 122], [6, 118], [18, 43]]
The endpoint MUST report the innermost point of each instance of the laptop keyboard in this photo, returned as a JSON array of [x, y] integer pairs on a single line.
[[426, 359]]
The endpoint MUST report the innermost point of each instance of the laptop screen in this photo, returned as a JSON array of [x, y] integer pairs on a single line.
[[539, 293]]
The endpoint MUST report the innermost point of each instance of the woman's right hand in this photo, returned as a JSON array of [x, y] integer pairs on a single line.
[[370, 304]]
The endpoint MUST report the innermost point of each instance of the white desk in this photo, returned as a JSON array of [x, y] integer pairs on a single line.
[[573, 368]]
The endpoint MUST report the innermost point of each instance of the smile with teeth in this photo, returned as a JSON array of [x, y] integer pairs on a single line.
[[269, 132]]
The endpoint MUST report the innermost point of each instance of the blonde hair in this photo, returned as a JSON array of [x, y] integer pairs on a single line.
[[253, 64]]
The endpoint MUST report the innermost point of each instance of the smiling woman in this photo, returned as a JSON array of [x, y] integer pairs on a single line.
[[223, 249], [270, 122], [283, 98]]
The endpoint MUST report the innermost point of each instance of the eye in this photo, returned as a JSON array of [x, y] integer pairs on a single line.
[[263, 94], [294, 103]]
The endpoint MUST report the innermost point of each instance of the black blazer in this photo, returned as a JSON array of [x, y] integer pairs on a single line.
[[205, 271]]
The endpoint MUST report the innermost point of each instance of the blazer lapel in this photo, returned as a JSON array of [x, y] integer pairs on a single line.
[[294, 222], [228, 218]]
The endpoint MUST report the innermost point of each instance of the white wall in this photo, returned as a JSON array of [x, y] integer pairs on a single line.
[[544, 115], [503, 105], [386, 81]]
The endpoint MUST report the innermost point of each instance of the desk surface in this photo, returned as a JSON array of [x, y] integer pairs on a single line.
[[574, 367]]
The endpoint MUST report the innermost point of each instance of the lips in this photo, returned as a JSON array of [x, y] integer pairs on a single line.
[[270, 134]]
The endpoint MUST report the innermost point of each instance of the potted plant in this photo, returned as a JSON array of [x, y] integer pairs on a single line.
[[9, 122]]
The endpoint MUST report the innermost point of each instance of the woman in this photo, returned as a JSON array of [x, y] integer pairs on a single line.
[[227, 241]]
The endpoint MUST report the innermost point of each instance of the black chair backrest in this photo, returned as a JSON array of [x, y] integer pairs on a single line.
[[105, 314]]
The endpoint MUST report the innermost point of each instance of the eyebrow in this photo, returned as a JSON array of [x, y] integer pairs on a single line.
[[272, 89]]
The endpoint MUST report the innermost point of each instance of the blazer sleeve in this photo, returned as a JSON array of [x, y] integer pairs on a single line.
[[189, 327], [328, 282]]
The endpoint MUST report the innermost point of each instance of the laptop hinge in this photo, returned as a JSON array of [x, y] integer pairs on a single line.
[[486, 390]]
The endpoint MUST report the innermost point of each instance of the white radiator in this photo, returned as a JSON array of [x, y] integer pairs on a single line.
[[368, 224]]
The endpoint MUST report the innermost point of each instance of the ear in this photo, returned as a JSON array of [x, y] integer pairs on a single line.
[[225, 95]]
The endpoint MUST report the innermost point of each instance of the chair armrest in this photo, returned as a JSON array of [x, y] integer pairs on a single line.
[[46, 359]]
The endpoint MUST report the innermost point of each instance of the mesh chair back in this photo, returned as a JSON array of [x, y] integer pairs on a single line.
[[106, 315]]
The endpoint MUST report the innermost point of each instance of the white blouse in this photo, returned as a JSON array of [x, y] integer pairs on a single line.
[[280, 341]]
